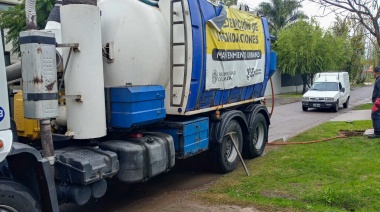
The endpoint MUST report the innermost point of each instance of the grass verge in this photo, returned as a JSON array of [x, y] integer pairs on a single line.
[[366, 106], [337, 175], [290, 95]]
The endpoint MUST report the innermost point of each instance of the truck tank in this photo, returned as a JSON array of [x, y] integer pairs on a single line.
[[201, 67]]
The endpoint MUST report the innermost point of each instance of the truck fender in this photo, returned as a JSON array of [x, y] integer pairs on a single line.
[[217, 128], [27, 166], [253, 109]]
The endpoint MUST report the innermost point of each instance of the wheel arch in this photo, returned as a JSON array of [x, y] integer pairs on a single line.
[[218, 127], [253, 109], [26, 166]]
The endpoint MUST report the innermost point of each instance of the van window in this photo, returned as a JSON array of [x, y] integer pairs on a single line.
[[325, 86]]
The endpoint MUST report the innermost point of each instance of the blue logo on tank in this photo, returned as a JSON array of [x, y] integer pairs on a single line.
[[2, 114]]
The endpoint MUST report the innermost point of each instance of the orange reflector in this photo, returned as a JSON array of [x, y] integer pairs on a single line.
[[1, 144]]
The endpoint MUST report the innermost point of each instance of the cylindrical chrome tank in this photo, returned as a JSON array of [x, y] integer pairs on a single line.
[[138, 40]]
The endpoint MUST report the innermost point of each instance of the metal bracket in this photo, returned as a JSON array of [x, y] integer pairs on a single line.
[[78, 98], [74, 46]]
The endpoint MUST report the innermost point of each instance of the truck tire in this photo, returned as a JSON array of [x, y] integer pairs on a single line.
[[304, 108], [257, 138], [16, 197], [224, 153], [345, 105], [336, 107]]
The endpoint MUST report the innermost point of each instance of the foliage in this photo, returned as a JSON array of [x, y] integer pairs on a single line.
[[303, 48], [14, 20], [281, 13], [337, 175], [226, 2], [355, 35], [367, 12]]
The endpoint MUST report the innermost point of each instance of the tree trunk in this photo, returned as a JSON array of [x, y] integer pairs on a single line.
[[304, 82]]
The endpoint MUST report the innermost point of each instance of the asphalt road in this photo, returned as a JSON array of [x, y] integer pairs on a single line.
[[289, 120], [168, 192]]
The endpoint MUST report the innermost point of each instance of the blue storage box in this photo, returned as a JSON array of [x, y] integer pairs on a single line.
[[190, 137], [137, 105]]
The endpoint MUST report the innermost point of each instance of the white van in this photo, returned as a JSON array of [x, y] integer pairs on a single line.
[[330, 90]]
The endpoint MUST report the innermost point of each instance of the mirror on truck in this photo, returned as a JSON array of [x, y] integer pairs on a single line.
[[342, 90]]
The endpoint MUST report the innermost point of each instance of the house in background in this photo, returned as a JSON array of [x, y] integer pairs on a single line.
[[283, 83], [4, 5]]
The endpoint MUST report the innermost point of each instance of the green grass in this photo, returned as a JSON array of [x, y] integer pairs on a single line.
[[290, 95], [337, 175], [366, 106]]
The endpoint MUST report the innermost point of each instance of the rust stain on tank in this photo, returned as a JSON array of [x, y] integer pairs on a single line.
[[50, 86], [39, 50], [37, 80]]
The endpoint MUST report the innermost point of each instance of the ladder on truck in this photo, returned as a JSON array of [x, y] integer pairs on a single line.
[[178, 52]]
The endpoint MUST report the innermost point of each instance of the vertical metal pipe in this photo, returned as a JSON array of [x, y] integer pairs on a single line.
[[47, 140], [31, 16]]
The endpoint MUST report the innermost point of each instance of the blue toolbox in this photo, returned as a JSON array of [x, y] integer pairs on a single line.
[[190, 136]]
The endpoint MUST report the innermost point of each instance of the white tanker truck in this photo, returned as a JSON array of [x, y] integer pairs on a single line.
[[124, 88]]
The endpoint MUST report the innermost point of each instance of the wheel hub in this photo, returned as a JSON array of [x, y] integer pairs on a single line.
[[230, 149], [259, 136]]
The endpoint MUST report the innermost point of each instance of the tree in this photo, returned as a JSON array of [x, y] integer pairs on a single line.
[[303, 48], [226, 2], [281, 13], [355, 35], [14, 20], [367, 12]]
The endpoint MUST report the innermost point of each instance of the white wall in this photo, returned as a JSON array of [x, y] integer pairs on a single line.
[[276, 78]]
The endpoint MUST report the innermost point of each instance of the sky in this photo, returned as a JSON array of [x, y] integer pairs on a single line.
[[311, 9]]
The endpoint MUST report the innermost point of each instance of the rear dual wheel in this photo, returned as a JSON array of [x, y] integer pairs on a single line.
[[225, 153], [257, 138]]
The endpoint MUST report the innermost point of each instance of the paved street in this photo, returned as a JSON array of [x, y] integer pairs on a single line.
[[289, 120]]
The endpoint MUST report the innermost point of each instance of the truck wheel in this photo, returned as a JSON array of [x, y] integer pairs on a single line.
[[345, 105], [336, 107], [257, 138], [225, 153], [304, 108], [16, 197]]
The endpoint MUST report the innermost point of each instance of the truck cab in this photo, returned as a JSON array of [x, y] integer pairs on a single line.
[[5, 126], [330, 90]]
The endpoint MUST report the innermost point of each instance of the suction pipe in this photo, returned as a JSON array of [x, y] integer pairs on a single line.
[[31, 16]]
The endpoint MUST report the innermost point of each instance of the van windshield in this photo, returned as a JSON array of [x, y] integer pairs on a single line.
[[325, 86]]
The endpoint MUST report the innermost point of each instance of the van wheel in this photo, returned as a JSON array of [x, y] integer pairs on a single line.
[[304, 108], [336, 107], [16, 197], [345, 105], [225, 154]]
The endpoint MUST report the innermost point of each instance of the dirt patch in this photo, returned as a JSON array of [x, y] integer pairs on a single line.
[[276, 194], [351, 133]]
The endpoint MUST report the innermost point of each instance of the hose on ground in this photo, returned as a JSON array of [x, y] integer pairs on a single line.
[[307, 142]]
